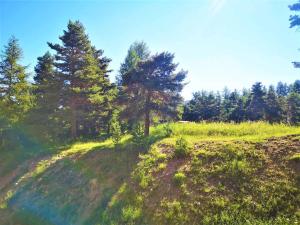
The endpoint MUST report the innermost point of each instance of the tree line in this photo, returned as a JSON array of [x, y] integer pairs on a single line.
[[280, 104], [275, 105], [72, 97]]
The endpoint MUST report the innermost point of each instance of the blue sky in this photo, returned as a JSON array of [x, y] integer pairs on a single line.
[[231, 43]]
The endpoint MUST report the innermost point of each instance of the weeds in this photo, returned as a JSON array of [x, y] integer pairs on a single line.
[[181, 148]]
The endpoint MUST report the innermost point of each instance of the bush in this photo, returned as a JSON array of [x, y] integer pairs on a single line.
[[131, 214], [181, 148], [167, 130]]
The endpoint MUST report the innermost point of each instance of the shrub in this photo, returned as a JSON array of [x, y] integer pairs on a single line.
[[130, 214], [167, 130], [181, 148], [179, 178]]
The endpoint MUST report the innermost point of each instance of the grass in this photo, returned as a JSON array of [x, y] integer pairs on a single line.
[[231, 175], [77, 149], [247, 131], [223, 173], [295, 157]]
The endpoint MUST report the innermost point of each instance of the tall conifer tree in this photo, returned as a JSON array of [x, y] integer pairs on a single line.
[[153, 87], [256, 103], [86, 92], [15, 90], [273, 112]]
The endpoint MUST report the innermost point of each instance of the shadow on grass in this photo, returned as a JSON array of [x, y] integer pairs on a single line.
[[77, 184]]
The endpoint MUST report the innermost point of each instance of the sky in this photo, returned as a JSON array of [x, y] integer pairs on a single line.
[[231, 43]]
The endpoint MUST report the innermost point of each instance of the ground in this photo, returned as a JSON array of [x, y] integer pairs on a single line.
[[217, 174]]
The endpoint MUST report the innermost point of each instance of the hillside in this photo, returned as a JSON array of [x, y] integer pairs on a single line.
[[213, 173]]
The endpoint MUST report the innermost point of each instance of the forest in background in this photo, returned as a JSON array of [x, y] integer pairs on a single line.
[[278, 104]]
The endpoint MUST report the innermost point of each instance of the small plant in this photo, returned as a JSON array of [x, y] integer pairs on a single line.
[[138, 134], [173, 213], [179, 178], [130, 214], [181, 148], [240, 167], [167, 130], [116, 132]]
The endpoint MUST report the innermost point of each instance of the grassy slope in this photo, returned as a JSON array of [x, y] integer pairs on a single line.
[[232, 174]]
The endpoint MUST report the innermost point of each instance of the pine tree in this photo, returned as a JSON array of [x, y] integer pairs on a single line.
[[87, 93], [153, 87], [15, 90], [256, 103], [273, 112], [238, 114], [45, 117], [293, 108], [205, 106], [229, 104], [295, 87], [295, 22], [47, 83], [137, 52], [282, 89]]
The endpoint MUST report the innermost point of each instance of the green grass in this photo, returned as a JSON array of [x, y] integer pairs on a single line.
[[227, 177], [247, 131], [295, 157], [222, 175]]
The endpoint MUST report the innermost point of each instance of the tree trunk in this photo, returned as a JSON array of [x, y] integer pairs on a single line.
[[147, 116], [147, 123], [73, 122]]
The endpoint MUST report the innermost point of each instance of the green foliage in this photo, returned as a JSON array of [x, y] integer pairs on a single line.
[[278, 106], [138, 134], [130, 214], [238, 169], [203, 106], [293, 103], [274, 110], [146, 92], [256, 102], [181, 148], [116, 132], [137, 52], [172, 213], [167, 130], [87, 94], [15, 91], [179, 178], [47, 91]]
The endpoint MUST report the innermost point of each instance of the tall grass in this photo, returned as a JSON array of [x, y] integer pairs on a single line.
[[252, 131]]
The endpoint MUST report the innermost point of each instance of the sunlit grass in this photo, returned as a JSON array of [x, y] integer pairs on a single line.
[[247, 131], [77, 149]]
